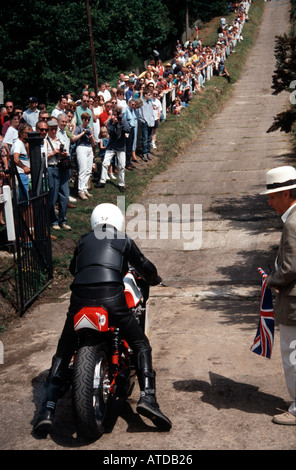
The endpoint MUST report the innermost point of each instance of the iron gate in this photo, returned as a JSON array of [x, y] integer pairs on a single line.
[[33, 254]]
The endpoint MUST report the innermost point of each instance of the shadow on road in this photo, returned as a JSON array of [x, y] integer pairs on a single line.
[[245, 268], [65, 432], [225, 393], [250, 213]]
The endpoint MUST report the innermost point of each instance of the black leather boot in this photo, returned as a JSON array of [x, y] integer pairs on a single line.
[[45, 424], [53, 390], [147, 405]]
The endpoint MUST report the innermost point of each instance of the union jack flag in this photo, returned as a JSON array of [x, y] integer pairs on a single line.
[[263, 341]]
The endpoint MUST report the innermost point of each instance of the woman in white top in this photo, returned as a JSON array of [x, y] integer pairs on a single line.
[[97, 110], [121, 102], [11, 134], [20, 152]]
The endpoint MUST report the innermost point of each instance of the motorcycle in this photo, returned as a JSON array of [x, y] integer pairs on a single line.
[[104, 369]]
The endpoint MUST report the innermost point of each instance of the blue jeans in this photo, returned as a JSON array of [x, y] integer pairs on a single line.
[[58, 182], [24, 197], [146, 137]]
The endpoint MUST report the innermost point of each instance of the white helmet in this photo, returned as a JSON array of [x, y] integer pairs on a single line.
[[107, 214]]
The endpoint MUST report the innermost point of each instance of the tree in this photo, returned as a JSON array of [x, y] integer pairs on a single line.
[[39, 45], [126, 31], [198, 10], [45, 48], [284, 80]]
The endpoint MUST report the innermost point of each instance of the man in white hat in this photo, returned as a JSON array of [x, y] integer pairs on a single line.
[[281, 191]]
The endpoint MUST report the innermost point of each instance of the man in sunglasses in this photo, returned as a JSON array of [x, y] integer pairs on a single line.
[[44, 116], [84, 108], [18, 110], [9, 106], [58, 179], [42, 128]]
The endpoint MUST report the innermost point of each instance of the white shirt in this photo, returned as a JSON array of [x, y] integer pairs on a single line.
[[31, 117], [51, 145], [121, 103], [56, 112], [62, 136], [286, 214], [106, 94], [19, 147], [44, 151], [157, 107], [11, 136]]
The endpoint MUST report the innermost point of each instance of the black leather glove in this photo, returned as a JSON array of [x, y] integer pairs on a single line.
[[157, 281]]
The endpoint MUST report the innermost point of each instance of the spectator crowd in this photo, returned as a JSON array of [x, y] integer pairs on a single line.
[[105, 134]]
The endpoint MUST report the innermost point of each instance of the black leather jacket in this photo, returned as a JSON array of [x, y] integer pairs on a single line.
[[116, 132], [100, 261]]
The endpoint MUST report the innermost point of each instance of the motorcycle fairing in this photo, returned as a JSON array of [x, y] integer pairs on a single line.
[[132, 292], [95, 318]]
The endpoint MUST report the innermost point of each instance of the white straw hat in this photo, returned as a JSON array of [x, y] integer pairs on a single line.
[[280, 179]]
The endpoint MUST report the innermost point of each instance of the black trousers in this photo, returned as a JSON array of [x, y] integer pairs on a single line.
[[129, 147], [113, 299]]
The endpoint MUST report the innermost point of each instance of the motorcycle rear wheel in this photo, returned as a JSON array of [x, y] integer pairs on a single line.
[[91, 390]]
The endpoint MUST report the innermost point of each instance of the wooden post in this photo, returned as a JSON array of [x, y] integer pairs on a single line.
[[187, 21], [92, 48]]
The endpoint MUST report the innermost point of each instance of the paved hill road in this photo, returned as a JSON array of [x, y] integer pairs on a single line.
[[217, 393]]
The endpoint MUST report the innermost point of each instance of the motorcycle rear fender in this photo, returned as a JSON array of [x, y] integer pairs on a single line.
[[94, 318]]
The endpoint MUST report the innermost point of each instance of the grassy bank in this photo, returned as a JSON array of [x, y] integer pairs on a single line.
[[173, 135]]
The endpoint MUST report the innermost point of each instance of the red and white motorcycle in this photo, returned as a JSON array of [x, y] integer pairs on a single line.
[[103, 364]]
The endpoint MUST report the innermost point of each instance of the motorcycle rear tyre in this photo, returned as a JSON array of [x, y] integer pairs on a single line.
[[90, 390]]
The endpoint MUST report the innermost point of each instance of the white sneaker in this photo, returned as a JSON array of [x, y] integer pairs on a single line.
[[66, 227], [72, 199], [107, 177], [82, 196], [112, 176], [285, 418]]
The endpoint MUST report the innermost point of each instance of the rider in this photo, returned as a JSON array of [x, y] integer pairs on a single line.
[[100, 262]]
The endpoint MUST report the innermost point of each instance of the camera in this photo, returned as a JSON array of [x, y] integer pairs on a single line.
[[87, 132], [118, 115], [62, 148]]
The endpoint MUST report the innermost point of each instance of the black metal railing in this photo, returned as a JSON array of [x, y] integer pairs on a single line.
[[33, 255]]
